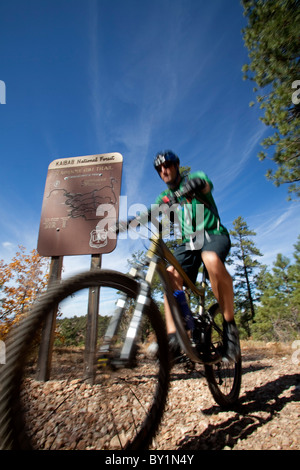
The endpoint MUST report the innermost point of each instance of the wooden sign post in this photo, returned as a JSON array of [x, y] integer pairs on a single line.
[[48, 331], [81, 203], [92, 325]]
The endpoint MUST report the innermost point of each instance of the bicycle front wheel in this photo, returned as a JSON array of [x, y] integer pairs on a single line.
[[123, 408], [224, 376]]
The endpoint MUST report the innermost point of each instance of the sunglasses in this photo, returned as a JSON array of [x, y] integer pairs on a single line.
[[165, 165]]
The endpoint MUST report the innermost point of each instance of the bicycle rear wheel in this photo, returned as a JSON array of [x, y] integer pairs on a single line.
[[123, 408], [224, 377]]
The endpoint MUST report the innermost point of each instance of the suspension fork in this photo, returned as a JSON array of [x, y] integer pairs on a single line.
[[113, 325], [143, 300]]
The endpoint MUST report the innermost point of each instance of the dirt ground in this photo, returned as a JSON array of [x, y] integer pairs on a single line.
[[267, 417]]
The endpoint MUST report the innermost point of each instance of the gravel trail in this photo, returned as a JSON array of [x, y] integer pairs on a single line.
[[266, 418]]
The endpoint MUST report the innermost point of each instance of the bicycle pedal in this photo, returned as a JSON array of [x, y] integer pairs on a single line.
[[110, 363], [189, 366], [102, 362]]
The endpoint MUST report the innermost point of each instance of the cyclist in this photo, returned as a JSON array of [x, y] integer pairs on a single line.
[[196, 189]]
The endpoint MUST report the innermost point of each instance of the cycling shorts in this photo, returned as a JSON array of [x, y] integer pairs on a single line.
[[190, 260]]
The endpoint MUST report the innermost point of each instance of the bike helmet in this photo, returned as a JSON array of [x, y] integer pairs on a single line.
[[167, 156]]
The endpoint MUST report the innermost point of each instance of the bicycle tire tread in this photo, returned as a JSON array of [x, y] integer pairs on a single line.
[[10, 434]]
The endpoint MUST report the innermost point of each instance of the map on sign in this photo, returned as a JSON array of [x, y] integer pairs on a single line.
[[81, 203]]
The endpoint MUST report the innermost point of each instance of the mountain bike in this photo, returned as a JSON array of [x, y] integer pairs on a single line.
[[124, 407]]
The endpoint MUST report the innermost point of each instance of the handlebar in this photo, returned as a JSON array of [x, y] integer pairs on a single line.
[[189, 190]]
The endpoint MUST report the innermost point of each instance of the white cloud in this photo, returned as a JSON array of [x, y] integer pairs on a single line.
[[7, 244], [277, 231], [232, 163], [19, 226], [150, 85]]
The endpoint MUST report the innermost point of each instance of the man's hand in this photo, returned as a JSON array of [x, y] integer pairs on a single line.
[[188, 190], [191, 186], [170, 200]]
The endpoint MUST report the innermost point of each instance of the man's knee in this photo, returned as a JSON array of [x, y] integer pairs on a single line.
[[172, 272], [213, 263], [175, 277], [171, 269], [216, 268]]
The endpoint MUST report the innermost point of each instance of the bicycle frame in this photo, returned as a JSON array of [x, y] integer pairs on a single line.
[[158, 256]]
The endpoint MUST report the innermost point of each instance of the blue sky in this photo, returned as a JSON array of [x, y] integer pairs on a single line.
[[132, 76]]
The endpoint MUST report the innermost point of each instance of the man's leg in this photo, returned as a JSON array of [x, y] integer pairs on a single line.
[[222, 287], [174, 347], [177, 284], [221, 283]]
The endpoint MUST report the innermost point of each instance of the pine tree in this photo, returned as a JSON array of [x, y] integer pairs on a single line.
[[278, 315], [243, 257], [273, 41], [295, 286]]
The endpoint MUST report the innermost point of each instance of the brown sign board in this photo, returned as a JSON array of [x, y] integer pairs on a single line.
[[81, 203]]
